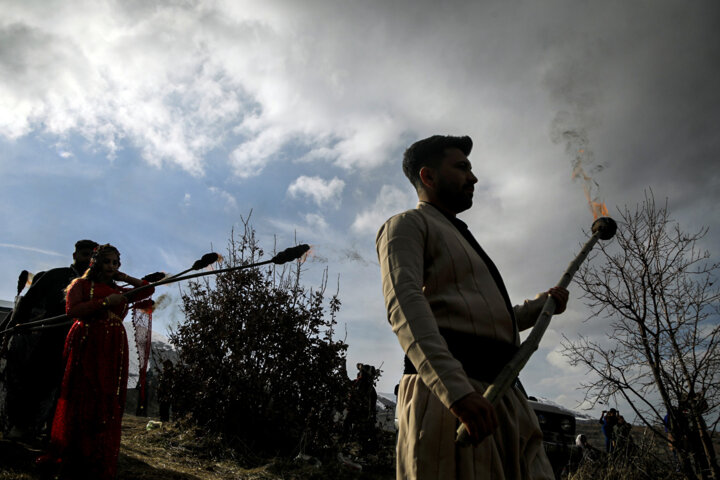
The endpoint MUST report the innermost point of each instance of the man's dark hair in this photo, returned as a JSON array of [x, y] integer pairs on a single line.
[[429, 152], [85, 244]]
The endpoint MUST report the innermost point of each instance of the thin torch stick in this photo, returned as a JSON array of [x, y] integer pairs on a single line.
[[603, 228], [60, 320], [292, 253]]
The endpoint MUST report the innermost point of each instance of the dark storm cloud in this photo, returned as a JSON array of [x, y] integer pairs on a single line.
[[31, 56], [641, 87]]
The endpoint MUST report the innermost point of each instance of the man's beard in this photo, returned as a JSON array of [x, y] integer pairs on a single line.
[[82, 267], [456, 200]]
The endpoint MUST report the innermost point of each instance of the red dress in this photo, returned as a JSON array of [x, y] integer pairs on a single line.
[[86, 429]]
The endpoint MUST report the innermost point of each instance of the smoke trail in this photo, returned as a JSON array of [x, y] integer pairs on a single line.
[[584, 166], [574, 87]]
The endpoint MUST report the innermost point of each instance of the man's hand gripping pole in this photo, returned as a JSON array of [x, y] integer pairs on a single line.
[[603, 228]]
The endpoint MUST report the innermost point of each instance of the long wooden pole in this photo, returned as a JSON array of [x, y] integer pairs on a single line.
[[292, 253], [603, 228]]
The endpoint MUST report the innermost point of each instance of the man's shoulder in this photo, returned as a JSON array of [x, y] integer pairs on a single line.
[[55, 271], [412, 218], [423, 212], [424, 218], [59, 273], [54, 278], [412, 213]]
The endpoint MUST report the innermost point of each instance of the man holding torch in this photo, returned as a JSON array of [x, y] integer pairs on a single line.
[[448, 306]]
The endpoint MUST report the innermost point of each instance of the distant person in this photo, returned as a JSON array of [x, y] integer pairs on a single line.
[[622, 440], [362, 406], [588, 453], [692, 406], [608, 420], [85, 438], [164, 392], [35, 366]]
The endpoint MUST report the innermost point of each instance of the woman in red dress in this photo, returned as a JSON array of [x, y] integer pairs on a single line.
[[85, 438]]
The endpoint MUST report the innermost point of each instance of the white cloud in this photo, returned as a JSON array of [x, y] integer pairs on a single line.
[[229, 200], [390, 200], [316, 221], [32, 249], [319, 190], [250, 158], [177, 81], [556, 359], [110, 77]]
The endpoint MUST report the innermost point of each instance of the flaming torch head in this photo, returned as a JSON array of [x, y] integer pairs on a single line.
[[206, 260], [604, 228], [289, 254]]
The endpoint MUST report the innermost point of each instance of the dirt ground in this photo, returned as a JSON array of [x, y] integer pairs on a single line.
[[168, 453], [141, 457]]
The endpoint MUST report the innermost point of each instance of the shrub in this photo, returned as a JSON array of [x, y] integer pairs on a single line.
[[258, 361]]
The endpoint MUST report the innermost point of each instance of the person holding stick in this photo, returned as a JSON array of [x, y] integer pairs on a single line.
[[35, 368], [85, 437], [449, 308], [608, 421]]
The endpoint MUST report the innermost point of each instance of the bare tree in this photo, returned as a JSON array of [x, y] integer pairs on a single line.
[[656, 288]]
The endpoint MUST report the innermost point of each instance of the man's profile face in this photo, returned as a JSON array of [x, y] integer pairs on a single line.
[[454, 181], [82, 258]]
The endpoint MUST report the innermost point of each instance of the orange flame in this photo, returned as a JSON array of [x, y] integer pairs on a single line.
[[598, 208], [310, 253], [214, 265]]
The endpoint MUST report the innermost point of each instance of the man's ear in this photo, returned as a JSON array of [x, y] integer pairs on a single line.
[[427, 177]]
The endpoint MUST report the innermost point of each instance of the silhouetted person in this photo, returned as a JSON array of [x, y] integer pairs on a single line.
[[622, 440], [362, 406], [448, 305], [165, 390], [608, 420], [35, 365], [86, 429]]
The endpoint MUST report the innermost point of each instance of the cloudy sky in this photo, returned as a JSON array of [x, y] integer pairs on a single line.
[[157, 125]]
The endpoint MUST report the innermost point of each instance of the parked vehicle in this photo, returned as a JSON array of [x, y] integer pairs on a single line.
[[558, 428]]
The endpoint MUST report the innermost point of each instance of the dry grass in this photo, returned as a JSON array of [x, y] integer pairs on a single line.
[[652, 460], [176, 452]]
